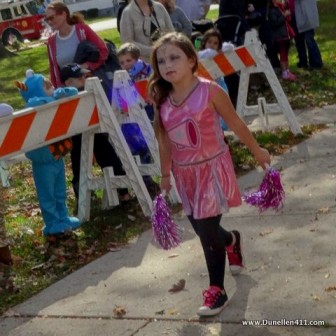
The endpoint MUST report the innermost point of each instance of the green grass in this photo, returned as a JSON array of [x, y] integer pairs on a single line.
[[42, 262]]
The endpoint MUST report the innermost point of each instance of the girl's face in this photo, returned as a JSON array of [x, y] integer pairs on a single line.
[[54, 20], [212, 43], [173, 63], [126, 61]]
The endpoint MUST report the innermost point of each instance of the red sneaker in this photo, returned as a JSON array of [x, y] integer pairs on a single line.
[[289, 76], [235, 255], [215, 300]]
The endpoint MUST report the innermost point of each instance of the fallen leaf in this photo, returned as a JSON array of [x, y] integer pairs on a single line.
[[178, 286], [330, 288], [265, 232], [160, 312], [323, 210], [119, 311]]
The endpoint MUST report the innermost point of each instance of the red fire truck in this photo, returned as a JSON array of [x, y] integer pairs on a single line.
[[20, 20]]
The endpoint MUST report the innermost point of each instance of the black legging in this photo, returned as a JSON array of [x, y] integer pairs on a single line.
[[214, 239]]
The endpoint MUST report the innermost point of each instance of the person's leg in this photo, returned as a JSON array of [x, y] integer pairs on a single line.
[[300, 45], [283, 51], [107, 157], [66, 223], [266, 38], [214, 239], [232, 82], [51, 195], [314, 54]]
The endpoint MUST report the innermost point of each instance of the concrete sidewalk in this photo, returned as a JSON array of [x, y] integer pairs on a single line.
[[290, 267]]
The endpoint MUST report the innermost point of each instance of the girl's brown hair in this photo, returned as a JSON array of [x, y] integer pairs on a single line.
[[213, 32], [159, 88], [60, 7]]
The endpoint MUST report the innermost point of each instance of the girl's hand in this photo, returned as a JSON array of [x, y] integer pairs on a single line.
[[263, 158], [165, 184]]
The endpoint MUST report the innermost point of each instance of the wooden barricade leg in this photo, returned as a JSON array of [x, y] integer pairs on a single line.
[[84, 191], [4, 174]]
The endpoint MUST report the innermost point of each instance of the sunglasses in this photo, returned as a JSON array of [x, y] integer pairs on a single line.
[[50, 17]]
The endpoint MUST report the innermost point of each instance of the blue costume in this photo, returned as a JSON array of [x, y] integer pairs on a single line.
[[48, 171]]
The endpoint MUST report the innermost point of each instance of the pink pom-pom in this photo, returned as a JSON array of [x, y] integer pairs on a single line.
[[270, 193], [165, 230]]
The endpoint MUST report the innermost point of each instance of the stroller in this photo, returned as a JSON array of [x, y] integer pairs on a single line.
[[231, 28]]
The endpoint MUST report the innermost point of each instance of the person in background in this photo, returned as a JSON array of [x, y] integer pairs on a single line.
[[191, 145], [305, 19], [257, 17], [69, 31], [279, 18], [211, 45], [194, 10], [180, 21], [129, 59], [142, 22]]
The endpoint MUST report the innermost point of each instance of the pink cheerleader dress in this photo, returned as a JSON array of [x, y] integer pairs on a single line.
[[202, 164]]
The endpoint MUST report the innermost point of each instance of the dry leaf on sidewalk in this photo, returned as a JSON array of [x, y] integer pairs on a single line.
[[265, 232], [119, 311], [330, 288], [178, 286]]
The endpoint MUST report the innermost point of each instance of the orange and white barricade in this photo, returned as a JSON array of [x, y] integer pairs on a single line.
[[89, 112], [248, 59]]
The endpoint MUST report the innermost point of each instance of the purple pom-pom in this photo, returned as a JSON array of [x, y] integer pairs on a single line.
[[165, 230], [270, 193]]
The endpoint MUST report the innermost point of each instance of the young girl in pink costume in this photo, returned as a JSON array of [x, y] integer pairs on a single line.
[[191, 144]]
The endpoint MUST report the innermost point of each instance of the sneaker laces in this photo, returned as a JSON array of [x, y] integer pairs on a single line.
[[210, 295]]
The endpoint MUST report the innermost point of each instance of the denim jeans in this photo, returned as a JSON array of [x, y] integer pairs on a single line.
[[314, 55], [306, 42]]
